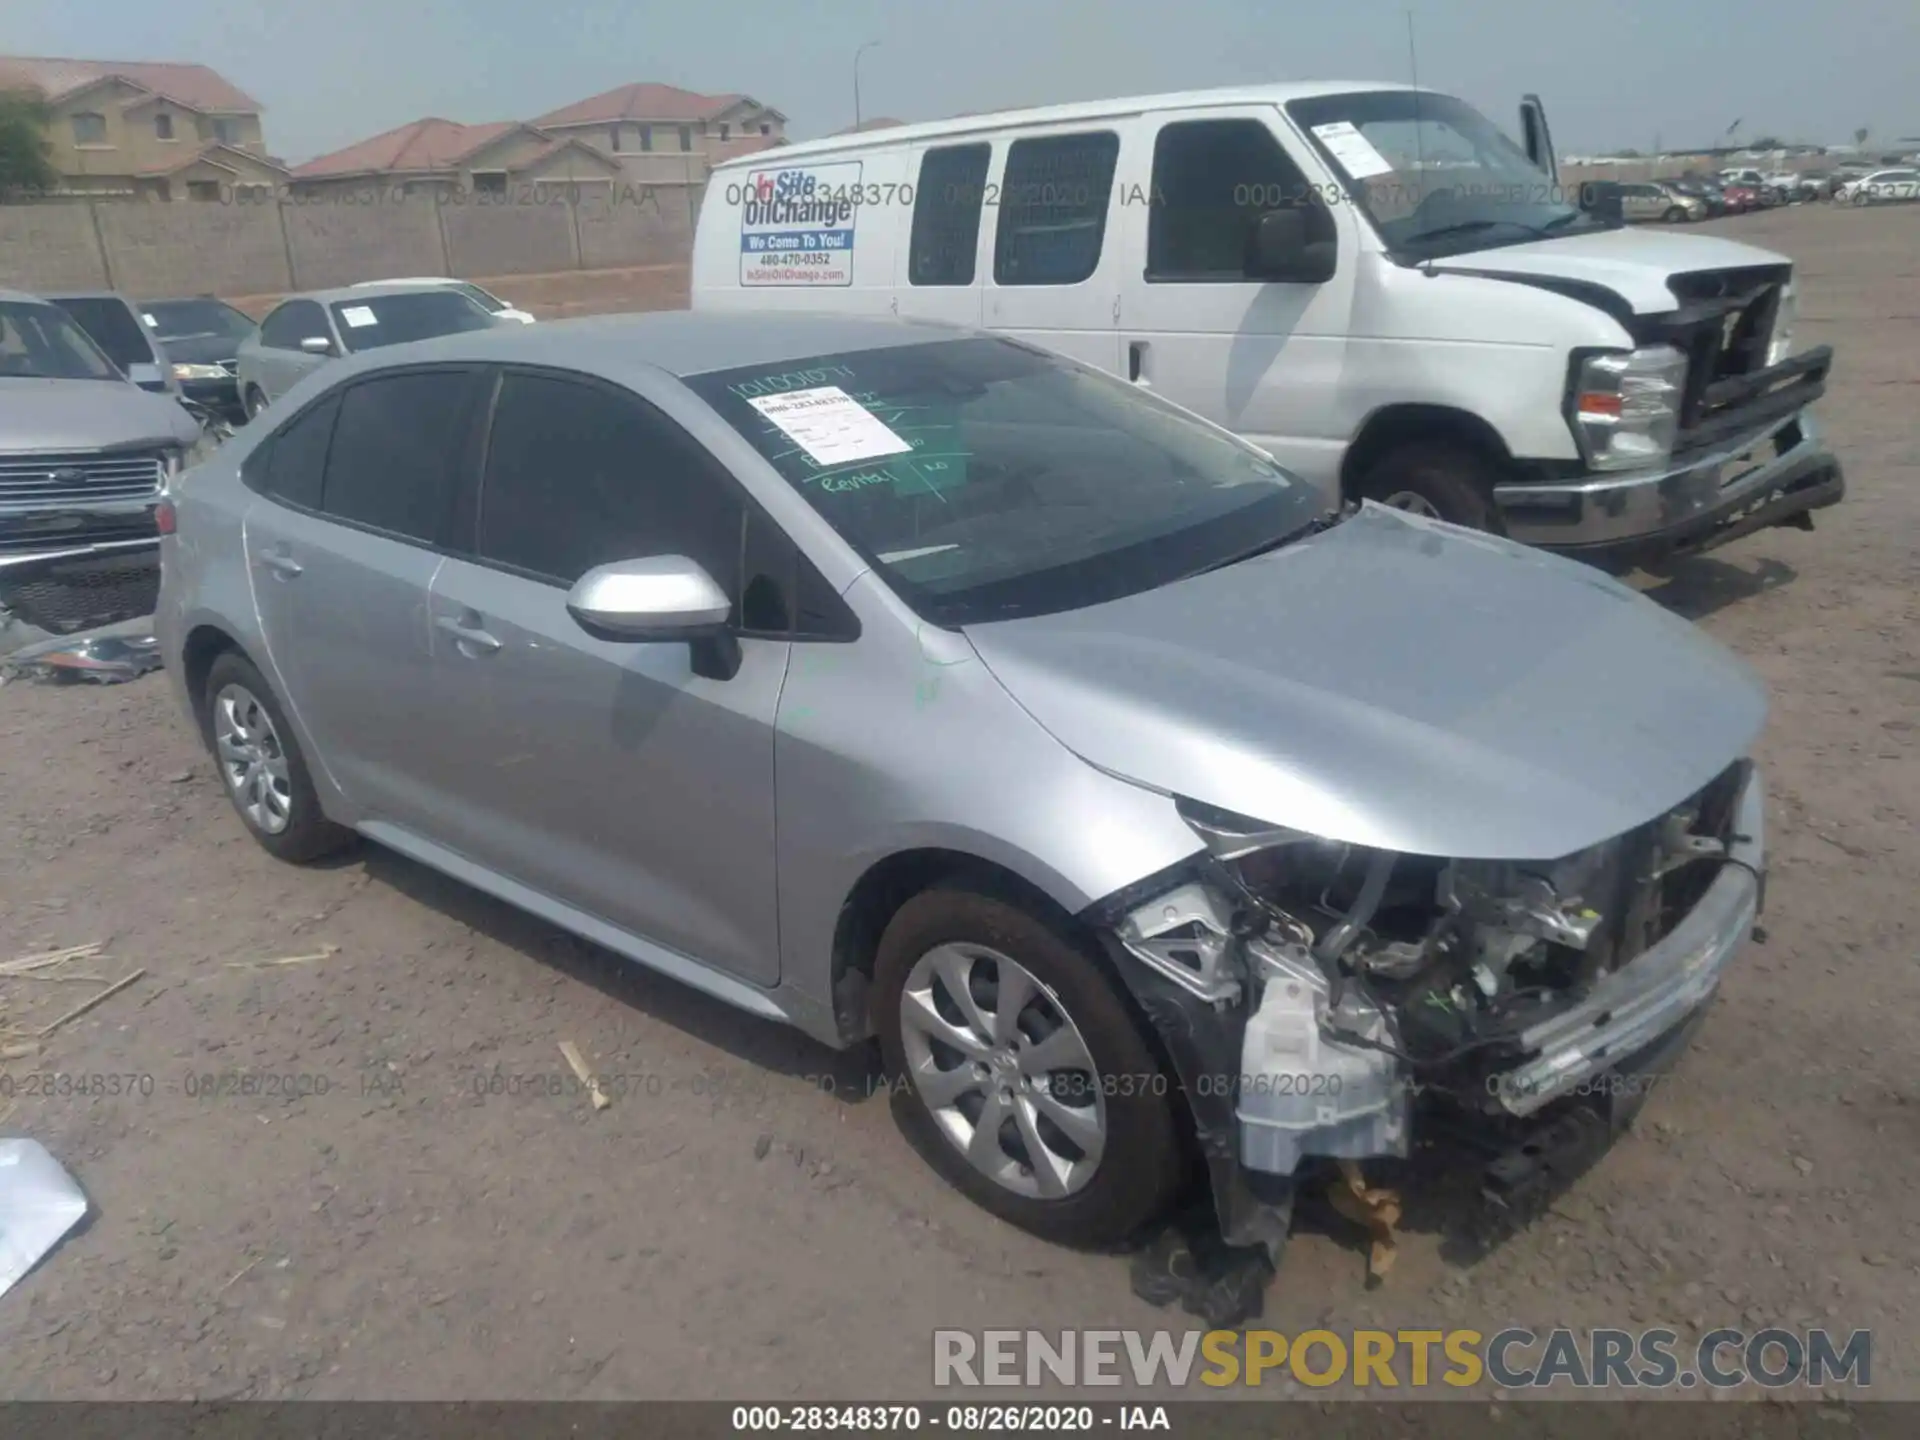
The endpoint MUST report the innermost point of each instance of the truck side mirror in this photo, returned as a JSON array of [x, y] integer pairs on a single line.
[[1280, 250]]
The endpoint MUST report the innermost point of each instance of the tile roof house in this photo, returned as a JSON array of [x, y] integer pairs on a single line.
[[662, 134], [436, 154], [158, 129]]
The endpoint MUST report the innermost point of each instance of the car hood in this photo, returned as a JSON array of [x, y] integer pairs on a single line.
[[1635, 264], [1396, 682], [88, 415], [200, 349]]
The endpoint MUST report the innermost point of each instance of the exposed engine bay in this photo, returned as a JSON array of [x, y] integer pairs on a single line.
[[1361, 983]]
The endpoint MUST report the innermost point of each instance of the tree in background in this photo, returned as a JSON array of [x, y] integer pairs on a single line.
[[25, 164], [1860, 135]]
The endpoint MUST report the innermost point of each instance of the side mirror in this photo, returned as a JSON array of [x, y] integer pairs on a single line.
[[1603, 200], [1281, 251], [317, 345], [663, 598]]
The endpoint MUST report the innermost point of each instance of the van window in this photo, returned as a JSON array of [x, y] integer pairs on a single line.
[[1212, 181], [946, 215], [1053, 209]]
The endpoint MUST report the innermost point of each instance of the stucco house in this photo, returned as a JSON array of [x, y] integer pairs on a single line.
[[159, 130]]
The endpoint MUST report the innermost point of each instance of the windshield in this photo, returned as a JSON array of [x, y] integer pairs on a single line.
[[986, 480], [367, 322], [181, 319], [1434, 175], [111, 326], [41, 342]]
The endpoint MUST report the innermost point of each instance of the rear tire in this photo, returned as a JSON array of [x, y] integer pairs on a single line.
[[260, 763], [1076, 1055], [1444, 482]]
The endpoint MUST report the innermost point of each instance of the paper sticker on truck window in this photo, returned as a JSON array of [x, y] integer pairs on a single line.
[[359, 316], [830, 425], [797, 224], [1352, 149]]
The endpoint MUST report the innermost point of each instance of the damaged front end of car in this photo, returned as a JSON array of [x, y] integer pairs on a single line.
[[1321, 1001]]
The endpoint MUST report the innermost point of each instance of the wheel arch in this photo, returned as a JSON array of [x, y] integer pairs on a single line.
[[1393, 426], [889, 883]]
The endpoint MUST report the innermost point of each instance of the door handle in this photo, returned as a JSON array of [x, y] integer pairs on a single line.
[[468, 637], [1137, 362], [284, 566]]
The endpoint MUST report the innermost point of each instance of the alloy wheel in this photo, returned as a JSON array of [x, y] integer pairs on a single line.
[[1413, 503], [1003, 1070], [252, 759]]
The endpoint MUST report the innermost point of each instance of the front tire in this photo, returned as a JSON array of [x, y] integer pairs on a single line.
[[1440, 481], [255, 402], [1674, 215], [260, 762], [1029, 1084]]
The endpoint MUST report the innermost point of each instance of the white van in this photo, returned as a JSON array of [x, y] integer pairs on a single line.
[[1370, 281]]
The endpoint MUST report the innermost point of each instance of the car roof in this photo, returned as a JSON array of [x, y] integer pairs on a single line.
[[53, 295], [991, 121], [680, 342], [21, 297], [359, 292]]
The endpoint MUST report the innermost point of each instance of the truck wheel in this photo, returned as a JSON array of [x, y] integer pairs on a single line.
[[1443, 482], [1028, 1084], [1674, 215], [255, 402]]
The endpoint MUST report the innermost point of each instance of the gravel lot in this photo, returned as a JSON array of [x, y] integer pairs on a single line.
[[745, 1220]]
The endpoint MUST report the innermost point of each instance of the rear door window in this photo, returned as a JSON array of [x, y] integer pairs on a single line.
[[1053, 209], [946, 215], [399, 446]]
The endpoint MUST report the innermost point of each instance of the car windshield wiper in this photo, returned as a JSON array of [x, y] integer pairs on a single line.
[[1325, 520]]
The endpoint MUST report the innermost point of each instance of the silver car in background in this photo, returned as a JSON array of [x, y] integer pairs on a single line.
[[304, 332], [892, 680]]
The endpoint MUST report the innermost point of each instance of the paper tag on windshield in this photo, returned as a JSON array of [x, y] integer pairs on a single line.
[[152, 324], [359, 316], [830, 425], [1352, 149]]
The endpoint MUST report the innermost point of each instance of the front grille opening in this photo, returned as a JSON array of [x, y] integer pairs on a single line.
[[79, 595]]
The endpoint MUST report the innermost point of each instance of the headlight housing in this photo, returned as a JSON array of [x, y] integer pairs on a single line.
[[1625, 408], [1780, 343], [198, 372]]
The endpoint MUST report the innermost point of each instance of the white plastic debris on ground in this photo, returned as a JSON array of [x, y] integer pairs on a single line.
[[39, 1203]]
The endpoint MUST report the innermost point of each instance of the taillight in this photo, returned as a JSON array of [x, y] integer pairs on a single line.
[[163, 517]]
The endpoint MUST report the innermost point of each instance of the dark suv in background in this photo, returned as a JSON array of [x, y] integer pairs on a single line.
[[201, 337]]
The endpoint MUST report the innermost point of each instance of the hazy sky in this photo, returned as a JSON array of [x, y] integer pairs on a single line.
[[1613, 73]]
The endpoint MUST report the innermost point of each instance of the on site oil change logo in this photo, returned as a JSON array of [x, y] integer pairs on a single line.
[[796, 225]]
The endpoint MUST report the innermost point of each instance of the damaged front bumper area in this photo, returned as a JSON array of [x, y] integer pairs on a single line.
[[1322, 1004]]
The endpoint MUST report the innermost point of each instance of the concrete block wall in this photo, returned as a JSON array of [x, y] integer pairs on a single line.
[[277, 245]]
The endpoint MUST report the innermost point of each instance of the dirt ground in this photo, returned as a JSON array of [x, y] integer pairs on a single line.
[[420, 1218]]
